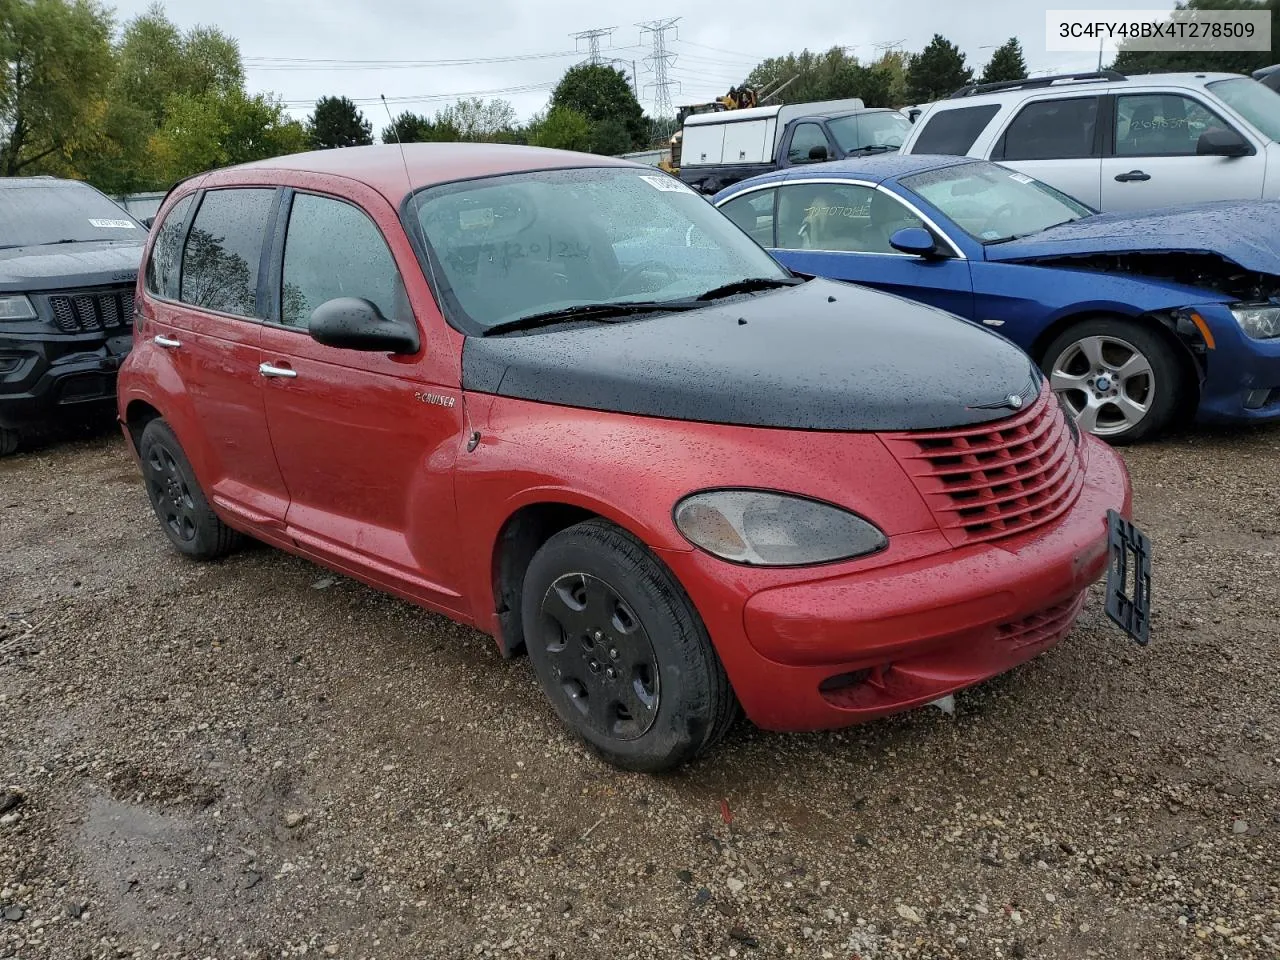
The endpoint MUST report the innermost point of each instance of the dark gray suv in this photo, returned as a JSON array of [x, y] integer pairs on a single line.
[[68, 265]]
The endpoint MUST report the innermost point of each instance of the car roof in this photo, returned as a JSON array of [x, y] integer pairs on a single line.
[[1033, 88], [384, 167], [875, 169]]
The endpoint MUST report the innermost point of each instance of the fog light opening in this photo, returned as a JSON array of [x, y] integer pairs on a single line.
[[1256, 399], [844, 681]]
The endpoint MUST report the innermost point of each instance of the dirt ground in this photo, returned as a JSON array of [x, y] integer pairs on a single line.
[[256, 759]]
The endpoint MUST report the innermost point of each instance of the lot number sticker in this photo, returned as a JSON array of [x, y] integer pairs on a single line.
[[1020, 177], [666, 184], [120, 224]]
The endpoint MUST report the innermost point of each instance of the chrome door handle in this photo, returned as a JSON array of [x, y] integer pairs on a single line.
[[267, 370], [162, 341]]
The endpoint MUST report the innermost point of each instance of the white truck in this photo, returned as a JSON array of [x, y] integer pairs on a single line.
[[720, 148]]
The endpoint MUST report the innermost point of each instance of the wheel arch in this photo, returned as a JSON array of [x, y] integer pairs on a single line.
[[137, 414]]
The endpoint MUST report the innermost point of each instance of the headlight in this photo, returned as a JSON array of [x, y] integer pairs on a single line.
[[774, 529], [1261, 321], [16, 308]]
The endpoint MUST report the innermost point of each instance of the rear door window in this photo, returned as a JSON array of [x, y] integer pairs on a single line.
[[224, 248], [166, 253], [1059, 129], [753, 212], [952, 132]]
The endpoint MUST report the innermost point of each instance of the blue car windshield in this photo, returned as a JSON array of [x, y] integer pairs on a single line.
[[1253, 101], [992, 203]]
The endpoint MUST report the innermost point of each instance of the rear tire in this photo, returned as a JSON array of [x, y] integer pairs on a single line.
[[8, 441], [1122, 380], [619, 650], [179, 504]]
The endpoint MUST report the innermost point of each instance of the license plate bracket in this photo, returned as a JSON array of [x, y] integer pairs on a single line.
[[1128, 578]]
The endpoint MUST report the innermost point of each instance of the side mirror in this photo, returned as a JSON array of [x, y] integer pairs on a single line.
[[817, 153], [148, 221], [1222, 143], [355, 324], [914, 241]]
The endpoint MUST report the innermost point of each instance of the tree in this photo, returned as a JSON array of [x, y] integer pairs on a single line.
[[337, 122], [937, 71], [1006, 63], [55, 56], [1226, 61], [833, 75], [600, 92], [476, 120], [610, 137], [560, 128]]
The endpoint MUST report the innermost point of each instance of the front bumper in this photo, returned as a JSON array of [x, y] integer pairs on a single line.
[[1242, 375], [42, 376], [846, 648]]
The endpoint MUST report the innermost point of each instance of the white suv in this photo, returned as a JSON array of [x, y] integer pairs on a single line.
[[1117, 142]]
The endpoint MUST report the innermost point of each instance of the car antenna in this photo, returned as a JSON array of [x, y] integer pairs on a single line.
[[403, 159]]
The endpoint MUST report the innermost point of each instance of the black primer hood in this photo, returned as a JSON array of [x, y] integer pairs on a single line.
[[823, 355]]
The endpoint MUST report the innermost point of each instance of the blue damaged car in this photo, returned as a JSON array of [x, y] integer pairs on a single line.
[[1140, 320]]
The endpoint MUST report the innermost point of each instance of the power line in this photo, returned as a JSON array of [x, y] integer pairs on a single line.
[[659, 60], [425, 97], [593, 39], [304, 63]]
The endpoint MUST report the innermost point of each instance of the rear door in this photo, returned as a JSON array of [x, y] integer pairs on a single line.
[[1057, 140], [1153, 161], [366, 441], [841, 230], [204, 280]]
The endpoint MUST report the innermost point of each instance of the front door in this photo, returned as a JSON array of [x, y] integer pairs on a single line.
[[206, 321], [365, 442], [842, 231], [1155, 162]]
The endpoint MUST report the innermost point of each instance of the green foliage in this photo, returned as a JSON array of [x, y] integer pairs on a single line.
[[560, 128], [476, 120], [833, 75], [1006, 63], [338, 122], [610, 137], [1227, 61], [600, 92], [936, 71], [54, 57]]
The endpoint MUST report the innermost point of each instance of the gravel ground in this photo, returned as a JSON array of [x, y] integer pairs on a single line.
[[256, 759]]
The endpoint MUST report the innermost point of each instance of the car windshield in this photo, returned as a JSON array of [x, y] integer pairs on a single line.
[[1258, 104], [992, 203], [52, 211], [862, 130], [525, 244]]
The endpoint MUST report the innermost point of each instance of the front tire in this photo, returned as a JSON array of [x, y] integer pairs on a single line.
[[179, 504], [1121, 380], [8, 441], [619, 650]]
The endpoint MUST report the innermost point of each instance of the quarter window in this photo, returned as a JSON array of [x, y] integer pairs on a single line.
[[844, 217], [224, 247], [753, 212], [334, 250], [1053, 130], [953, 132], [166, 253], [1162, 125], [805, 138]]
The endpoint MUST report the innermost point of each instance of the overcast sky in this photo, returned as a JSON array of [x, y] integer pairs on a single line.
[[715, 43]]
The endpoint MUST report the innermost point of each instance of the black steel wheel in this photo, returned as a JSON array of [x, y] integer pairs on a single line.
[[179, 503], [602, 656], [619, 650]]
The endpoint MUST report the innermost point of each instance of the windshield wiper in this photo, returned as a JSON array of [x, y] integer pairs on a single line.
[[748, 285], [1032, 233], [877, 148], [588, 311]]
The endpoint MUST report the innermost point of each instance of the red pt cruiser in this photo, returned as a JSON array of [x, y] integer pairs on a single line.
[[563, 399]]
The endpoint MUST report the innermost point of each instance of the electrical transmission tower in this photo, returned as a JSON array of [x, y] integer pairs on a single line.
[[593, 40], [658, 62]]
